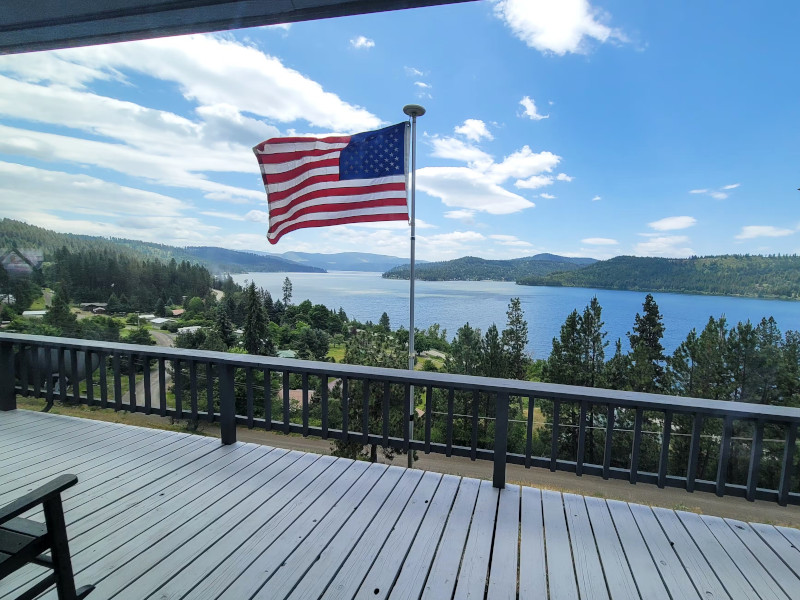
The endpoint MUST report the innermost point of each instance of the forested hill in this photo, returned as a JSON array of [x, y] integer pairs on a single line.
[[470, 268], [729, 275], [215, 259]]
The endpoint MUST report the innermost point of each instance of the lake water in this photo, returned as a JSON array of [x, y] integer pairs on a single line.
[[364, 296]]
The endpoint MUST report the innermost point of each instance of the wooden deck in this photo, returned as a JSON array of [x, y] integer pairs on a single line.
[[167, 515]]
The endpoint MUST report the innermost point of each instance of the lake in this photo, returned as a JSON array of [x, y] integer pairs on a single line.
[[364, 296]]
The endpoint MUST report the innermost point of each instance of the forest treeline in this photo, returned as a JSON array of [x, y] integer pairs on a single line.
[[774, 276], [471, 268]]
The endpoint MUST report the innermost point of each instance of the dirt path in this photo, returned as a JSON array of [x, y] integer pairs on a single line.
[[162, 338]]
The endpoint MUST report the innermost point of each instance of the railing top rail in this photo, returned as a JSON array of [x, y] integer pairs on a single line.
[[550, 391]]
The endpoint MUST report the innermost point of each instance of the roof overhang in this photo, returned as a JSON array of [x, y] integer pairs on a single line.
[[30, 25]]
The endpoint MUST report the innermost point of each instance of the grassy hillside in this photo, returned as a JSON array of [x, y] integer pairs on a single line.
[[470, 268], [728, 275]]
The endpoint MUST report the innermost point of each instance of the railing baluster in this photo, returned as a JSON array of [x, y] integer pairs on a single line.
[[75, 380], [474, 441], [386, 398], [178, 377], [193, 394], [48, 363], [23, 354], [787, 468], [324, 381], [267, 400], [450, 410], [365, 410], [37, 373], [663, 461], [87, 363], [62, 376], [500, 440], [103, 377], [555, 434], [609, 441], [637, 445], [581, 439], [227, 403], [286, 403], [250, 401], [407, 420], [148, 400], [162, 387], [724, 455], [132, 382], [428, 417], [8, 393], [209, 392], [345, 407], [529, 434], [694, 452], [115, 364], [305, 404], [755, 459]]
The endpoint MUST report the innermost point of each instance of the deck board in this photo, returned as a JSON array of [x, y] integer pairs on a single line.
[[169, 516]]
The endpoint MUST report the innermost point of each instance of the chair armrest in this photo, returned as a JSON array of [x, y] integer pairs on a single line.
[[38, 496]]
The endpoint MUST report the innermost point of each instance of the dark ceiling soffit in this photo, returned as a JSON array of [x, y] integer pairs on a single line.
[[28, 26]]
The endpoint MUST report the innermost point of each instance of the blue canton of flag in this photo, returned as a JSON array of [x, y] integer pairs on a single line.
[[374, 154]]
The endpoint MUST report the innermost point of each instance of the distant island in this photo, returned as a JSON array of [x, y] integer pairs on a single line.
[[773, 276], [471, 268]]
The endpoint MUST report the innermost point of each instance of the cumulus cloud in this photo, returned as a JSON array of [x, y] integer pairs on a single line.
[[564, 177], [362, 42], [600, 241], [750, 232], [717, 194], [469, 188], [596, 198], [533, 182], [457, 149], [672, 223], [674, 246], [529, 109], [510, 240], [474, 130], [463, 215], [566, 26], [546, 196]]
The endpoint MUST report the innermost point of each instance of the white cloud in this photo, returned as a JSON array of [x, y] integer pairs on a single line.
[[257, 216], [362, 42], [718, 194], [701, 191], [599, 241], [731, 186], [423, 85], [533, 182], [564, 177], [412, 72], [672, 223], [469, 188], [456, 149], [675, 246], [463, 215], [474, 130], [546, 196], [750, 232], [511, 240], [529, 109], [558, 27], [596, 198], [524, 163], [223, 215]]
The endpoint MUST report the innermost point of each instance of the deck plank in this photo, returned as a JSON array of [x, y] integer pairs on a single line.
[[475, 562], [532, 558], [503, 572], [588, 568], [619, 579], [560, 568]]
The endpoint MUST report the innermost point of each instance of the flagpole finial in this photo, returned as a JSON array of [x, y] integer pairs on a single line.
[[414, 110]]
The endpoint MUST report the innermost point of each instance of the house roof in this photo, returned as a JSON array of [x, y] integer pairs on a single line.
[[29, 26]]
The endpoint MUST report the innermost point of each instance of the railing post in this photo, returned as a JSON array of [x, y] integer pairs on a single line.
[[8, 396], [227, 404], [500, 440]]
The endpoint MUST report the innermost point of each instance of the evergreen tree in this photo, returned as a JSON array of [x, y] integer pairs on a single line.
[[565, 363], [465, 352], [160, 309], [383, 323], [647, 370], [741, 359], [59, 314], [224, 328], [515, 339], [255, 322], [287, 291], [592, 338], [494, 361], [615, 372]]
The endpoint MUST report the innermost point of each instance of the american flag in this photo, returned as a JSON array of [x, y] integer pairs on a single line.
[[316, 182]]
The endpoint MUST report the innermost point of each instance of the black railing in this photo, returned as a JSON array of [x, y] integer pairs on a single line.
[[728, 448]]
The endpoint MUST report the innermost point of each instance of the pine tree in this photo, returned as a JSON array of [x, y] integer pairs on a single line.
[[223, 327], [59, 314], [255, 322], [616, 370], [515, 339], [383, 323], [494, 362], [465, 352], [592, 338], [565, 363], [647, 372], [287, 291], [160, 309]]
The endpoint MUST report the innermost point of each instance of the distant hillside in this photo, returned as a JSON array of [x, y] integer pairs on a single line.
[[729, 275], [216, 259], [345, 261], [233, 260], [470, 268]]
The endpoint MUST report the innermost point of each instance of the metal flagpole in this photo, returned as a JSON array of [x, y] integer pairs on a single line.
[[413, 111]]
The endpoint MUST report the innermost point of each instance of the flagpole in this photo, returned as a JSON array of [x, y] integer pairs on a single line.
[[413, 111]]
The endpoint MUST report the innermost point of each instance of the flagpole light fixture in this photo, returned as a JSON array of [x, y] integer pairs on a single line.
[[413, 111]]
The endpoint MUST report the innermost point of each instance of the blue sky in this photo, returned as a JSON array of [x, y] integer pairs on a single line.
[[583, 129]]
